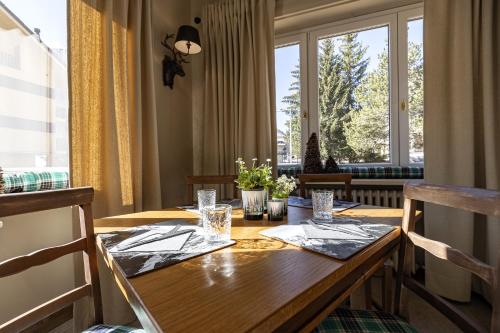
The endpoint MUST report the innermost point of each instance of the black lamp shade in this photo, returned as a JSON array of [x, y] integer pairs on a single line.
[[187, 40]]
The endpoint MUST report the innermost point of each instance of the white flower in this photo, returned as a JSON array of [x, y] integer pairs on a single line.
[[254, 159], [268, 160]]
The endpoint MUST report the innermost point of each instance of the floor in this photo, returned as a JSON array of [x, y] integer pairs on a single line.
[[424, 317]]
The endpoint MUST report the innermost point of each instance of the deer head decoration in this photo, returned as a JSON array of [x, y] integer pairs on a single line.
[[172, 64]]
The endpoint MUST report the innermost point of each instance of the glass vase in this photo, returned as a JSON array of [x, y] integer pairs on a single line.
[[253, 204]]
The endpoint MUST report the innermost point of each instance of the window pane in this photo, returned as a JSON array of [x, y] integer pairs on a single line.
[[287, 69], [416, 90], [33, 84], [354, 96]]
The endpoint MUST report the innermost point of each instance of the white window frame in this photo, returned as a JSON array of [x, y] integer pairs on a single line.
[[396, 19], [301, 40]]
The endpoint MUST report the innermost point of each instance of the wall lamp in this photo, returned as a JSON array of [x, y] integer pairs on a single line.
[[187, 42]]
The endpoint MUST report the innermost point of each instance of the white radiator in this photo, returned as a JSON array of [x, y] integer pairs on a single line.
[[385, 198]]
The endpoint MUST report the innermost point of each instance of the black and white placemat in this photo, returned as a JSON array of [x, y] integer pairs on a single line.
[[339, 245], [338, 205], [134, 263]]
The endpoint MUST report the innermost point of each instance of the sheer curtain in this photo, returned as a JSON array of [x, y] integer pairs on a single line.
[[461, 128], [113, 115], [238, 118]]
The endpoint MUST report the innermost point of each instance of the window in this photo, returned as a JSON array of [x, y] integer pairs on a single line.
[[365, 81], [33, 84]]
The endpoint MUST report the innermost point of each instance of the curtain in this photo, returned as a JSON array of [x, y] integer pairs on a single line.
[[113, 116], [461, 129], [238, 118]]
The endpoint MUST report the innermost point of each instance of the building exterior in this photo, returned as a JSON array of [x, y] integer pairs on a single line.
[[34, 95]]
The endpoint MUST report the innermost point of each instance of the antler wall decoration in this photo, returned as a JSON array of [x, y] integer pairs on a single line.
[[186, 42], [172, 64]]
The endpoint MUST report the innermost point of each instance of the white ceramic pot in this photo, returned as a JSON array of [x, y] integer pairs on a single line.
[[253, 204]]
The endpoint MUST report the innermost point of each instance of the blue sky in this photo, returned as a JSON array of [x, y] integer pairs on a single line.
[[47, 15], [287, 57]]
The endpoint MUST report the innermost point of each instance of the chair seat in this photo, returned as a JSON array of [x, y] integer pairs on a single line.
[[363, 321], [113, 329]]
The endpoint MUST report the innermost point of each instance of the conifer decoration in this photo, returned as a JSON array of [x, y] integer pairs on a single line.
[[312, 159], [331, 166], [1, 180]]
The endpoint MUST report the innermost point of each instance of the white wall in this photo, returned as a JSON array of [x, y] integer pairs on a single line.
[[26, 233]]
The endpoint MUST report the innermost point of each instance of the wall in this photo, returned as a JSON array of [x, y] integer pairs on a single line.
[[174, 112], [26, 233], [293, 15]]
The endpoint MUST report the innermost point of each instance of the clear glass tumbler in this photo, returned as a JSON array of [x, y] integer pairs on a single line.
[[322, 202], [206, 198], [217, 222]]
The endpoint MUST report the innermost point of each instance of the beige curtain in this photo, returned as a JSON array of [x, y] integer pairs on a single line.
[[113, 115], [238, 117], [461, 128]]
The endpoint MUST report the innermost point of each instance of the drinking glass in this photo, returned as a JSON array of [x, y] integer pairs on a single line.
[[275, 209], [217, 222], [206, 198], [322, 204]]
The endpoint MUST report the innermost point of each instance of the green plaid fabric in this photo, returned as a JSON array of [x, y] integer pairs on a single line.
[[35, 181], [363, 321], [113, 329], [361, 172]]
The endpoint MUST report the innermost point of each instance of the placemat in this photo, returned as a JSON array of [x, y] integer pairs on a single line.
[[338, 205], [134, 263], [341, 248]]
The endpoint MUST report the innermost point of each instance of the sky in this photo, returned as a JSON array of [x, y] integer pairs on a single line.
[[47, 15], [287, 57]]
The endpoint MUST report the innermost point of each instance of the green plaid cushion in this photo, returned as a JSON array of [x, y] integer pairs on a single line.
[[361, 172], [35, 181], [113, 329], [363, 321]]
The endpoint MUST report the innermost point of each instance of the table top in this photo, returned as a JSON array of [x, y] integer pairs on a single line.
[[259, 284]]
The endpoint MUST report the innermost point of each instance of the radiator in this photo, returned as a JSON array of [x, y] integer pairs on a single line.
[[377, 197]]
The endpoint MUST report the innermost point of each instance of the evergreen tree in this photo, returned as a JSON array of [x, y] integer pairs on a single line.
[[416, 96], [339, 75], [292, 110], [367, 132]]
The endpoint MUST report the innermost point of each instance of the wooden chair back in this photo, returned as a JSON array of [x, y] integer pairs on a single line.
[[209, 180], [346, 178], [21, 203], [481, 201]]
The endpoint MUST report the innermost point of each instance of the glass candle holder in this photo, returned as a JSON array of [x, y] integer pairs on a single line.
[[217, 222], [275, 210], [322, 202], [206, 198]]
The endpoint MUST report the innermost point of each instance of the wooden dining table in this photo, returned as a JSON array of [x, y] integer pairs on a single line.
[[257, 285]]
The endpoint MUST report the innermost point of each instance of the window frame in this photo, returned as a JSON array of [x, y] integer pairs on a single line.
[[299, 39], [396, 19]]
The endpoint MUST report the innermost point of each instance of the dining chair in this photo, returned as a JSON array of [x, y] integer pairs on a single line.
[[306, 180], [22, 203], [481, 201], [210, 180]]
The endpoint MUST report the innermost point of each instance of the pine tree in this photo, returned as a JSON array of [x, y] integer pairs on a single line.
[[367, 132], [331, 166], [332, 98], [292, 110], [340, 73], [312, 159]]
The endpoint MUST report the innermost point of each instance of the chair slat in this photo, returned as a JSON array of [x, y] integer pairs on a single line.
[[209, 180], [443, 251], [40, 257], [21, 203], [345, 178], [33, 316], [476, 200]]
